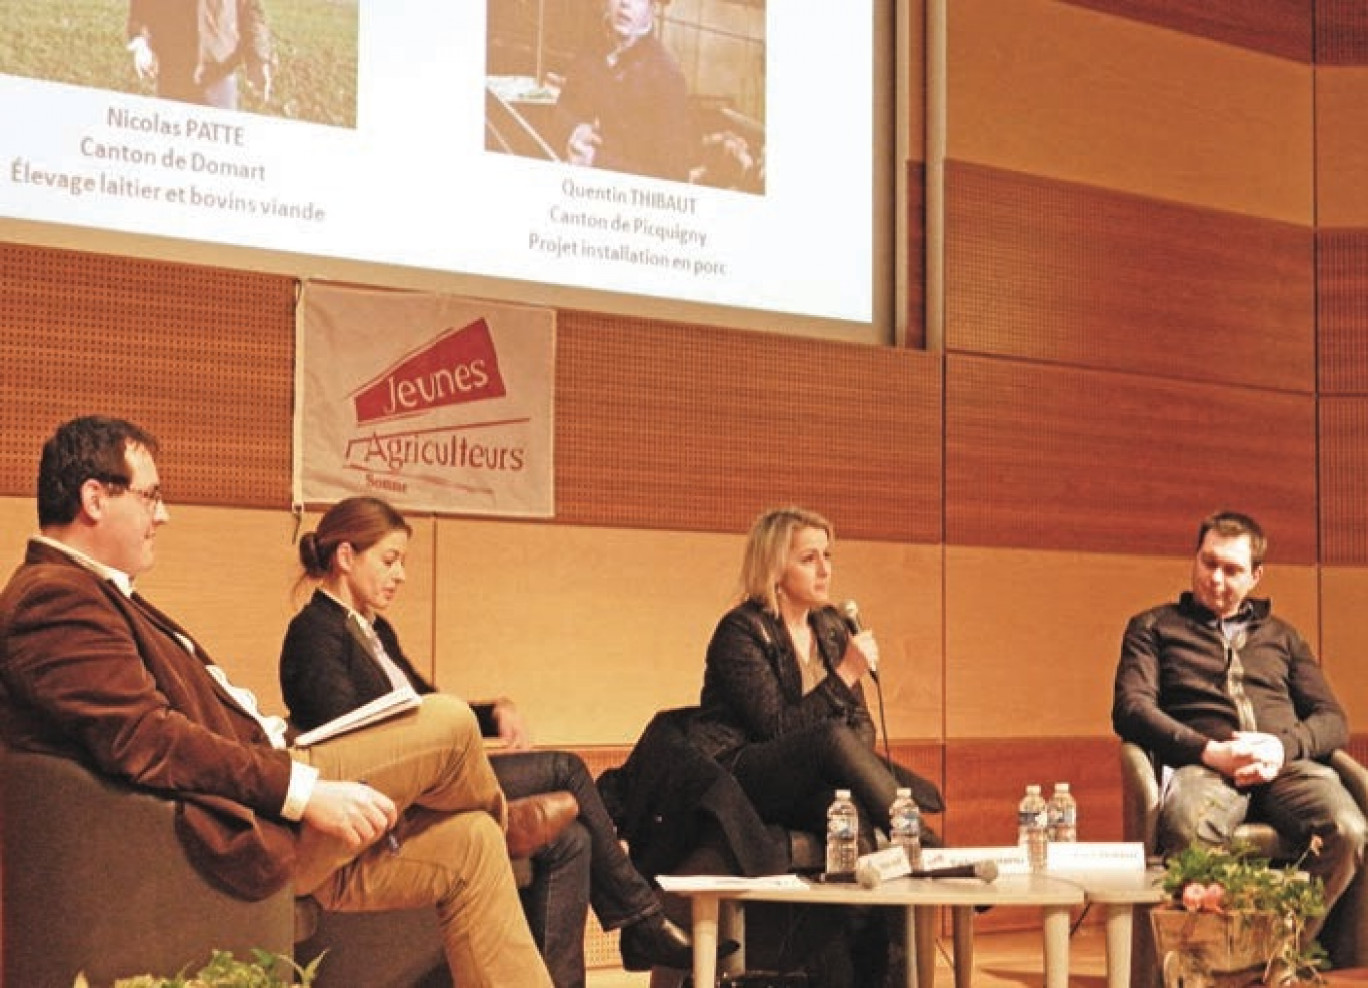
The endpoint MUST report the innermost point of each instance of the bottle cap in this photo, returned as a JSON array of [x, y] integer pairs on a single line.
[[1033, 790], [904, 792], [1061, 787], [842, 793]]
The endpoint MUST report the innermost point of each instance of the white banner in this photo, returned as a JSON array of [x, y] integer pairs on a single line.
[[435, 403]]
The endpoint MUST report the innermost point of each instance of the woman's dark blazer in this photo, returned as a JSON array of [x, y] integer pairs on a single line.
[[753, 688], [326, 668]]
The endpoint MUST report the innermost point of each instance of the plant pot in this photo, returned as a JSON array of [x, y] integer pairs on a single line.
[[1229, 950]]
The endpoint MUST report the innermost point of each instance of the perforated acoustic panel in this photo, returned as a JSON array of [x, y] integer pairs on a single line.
[[1341, 32], [1096, 461], [200, 356], [915, 260], [1343, 480], [1040, 269], [1342, 288], [1282, 29], [685, 427]]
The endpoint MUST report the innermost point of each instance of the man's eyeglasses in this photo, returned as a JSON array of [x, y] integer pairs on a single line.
[[151, 496]]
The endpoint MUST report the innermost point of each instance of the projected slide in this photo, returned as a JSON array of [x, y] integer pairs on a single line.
[[700, 150]]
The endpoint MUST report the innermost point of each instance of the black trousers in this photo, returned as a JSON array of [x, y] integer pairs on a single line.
[[584, 866], [790, 779]]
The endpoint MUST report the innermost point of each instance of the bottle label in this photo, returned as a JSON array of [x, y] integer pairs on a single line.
[[904, 825]]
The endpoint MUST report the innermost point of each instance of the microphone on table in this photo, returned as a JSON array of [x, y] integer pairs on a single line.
[[851, 612], [986, 871], [872, 870]]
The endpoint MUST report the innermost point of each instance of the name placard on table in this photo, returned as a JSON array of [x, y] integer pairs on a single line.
[[1061, 856], [1096, 856]]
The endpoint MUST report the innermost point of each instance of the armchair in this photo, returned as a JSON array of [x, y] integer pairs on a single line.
[[94, 879], [1345, 934]]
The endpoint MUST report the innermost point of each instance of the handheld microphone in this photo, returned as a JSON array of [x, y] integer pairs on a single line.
[[851, 612], [986, 871]]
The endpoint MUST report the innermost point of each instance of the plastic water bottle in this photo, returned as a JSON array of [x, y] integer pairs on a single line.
[[904, 827], [1063, 813], [1033, 828], [843, 835]]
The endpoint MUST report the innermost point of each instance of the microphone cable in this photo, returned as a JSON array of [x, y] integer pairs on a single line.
[[883, 728], [850, 615]]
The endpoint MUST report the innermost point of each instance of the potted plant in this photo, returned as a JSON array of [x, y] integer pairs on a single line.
[[1233, 919], [264, 970]]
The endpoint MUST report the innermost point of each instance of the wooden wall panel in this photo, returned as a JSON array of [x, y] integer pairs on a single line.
[[1341, 147], [1044, 270], [1344, 630], [663, 425], [1011, 615], [203, 357], [1095, 461], [1052, 89], [1032, 637], [592, 630], [1281, 27]]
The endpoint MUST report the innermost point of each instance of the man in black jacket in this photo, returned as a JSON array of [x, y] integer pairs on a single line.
[[624, 106], [1233, 699]]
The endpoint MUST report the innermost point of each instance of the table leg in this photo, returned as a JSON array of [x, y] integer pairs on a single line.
[[924, 919], [962, 927], [704, 939], [912, 923], [1120, 920], [1056, 946]]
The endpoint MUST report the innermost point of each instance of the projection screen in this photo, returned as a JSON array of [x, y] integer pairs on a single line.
[[426, 144]]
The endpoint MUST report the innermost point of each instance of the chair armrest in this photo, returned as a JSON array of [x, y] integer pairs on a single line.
[[1139, 797], [1353, 775]]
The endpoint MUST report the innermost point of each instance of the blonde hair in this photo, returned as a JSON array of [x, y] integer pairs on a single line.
[[767, 547]]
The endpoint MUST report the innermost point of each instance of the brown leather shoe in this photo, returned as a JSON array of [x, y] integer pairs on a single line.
[[535, 821]]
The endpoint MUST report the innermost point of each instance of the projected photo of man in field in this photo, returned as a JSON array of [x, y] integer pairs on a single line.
[[295, 59], [633, 86], [193, 52]]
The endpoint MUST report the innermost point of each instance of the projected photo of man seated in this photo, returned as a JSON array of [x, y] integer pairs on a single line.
[[624, 105], [194, 51]]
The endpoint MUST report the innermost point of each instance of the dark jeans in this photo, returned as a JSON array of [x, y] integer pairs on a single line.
[[584, 866], [790, 779]]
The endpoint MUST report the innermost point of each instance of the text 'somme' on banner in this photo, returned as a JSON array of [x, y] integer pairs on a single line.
[[435, 403]]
